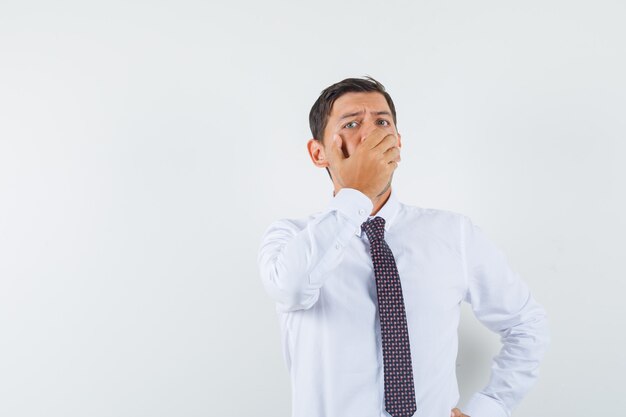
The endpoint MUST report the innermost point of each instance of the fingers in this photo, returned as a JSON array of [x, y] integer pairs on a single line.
[[457, 413], [375, 138], [383, 142], [387, 149], [392, 154], [334, 149], [388, 141]]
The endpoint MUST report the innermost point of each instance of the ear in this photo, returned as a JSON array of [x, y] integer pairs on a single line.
[[399, 140], [317, 153]]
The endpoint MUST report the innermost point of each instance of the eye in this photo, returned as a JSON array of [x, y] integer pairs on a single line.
[[384, 122], [350, 125]]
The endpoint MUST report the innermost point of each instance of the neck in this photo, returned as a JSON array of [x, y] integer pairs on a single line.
[[380, 201]]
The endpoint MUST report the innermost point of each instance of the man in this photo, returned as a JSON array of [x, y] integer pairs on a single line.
[[368, 292]]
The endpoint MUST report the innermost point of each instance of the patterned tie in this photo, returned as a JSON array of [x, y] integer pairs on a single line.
[[399, 388]]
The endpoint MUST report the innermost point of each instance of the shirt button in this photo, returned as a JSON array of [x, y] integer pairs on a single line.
[[362, 212], [337, 245]]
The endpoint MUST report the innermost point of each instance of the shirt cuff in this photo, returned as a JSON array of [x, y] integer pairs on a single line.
[[481, 405], [353, 204]]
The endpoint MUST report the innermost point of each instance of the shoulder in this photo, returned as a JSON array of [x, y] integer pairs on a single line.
[[431, 216], [290, 226]]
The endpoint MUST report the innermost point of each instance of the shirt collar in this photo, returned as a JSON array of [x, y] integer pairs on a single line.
[[388, 211]]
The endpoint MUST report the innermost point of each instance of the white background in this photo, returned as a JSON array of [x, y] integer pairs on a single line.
[[145, 146]]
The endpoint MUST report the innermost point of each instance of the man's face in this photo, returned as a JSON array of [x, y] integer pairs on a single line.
[[354, 116]]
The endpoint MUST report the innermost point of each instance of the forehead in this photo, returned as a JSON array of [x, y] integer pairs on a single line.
[[357, 101]]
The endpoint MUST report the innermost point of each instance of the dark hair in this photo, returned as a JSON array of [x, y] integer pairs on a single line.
[[318, 116]]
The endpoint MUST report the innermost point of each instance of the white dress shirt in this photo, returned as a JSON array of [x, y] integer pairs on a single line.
[[319, 272]]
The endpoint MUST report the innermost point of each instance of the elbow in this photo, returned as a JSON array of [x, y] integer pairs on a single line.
[[546, 337], [290, 291], [538, 325], [530, 336]]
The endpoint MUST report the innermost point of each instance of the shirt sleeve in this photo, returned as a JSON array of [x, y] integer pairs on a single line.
[[294, 260], [502, 301]]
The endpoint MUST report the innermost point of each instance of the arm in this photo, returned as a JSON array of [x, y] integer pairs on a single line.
[[503, 303], [294, 261]]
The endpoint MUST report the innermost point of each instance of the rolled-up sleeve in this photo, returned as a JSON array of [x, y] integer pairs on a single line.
[[502, 301]]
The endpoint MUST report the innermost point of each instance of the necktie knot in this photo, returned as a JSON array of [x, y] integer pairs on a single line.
[[374, 228]]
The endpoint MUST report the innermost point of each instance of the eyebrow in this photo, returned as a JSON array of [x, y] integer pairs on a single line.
[[376, 113]]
